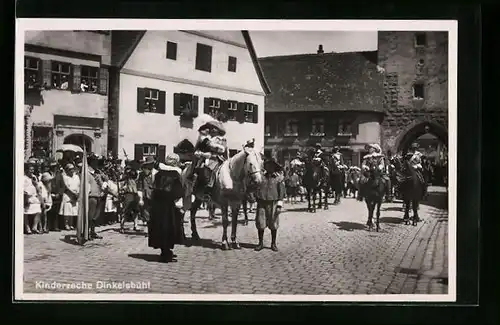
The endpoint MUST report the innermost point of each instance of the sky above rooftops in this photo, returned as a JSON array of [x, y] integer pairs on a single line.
[[277, 43]]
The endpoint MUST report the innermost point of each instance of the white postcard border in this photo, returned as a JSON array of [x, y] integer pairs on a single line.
[[22, 25]]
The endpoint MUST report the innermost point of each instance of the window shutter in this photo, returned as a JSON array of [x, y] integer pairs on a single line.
[[162, 98], [77, 74], [40, 72], [206, 104], [140, 99], [138, 152], [103, 81], [47, 73], [255, 113], [355, 128], [161, 153], [223, 106], [240, 113], [194, 106], [177, 104], [355, 159]]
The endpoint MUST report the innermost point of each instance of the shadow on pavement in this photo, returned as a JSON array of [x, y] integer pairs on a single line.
[[146, 257], [209, 243], [399, 209], [349, 226], [205, 243], [70, 239], [438, 200], [131, 232], [294, 210], [391, 220]]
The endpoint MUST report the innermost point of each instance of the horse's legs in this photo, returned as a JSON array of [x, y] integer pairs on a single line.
[[406, 216], [235, 210], [225, 224], [313, 192], [245, 212], [194, 208], [379, 203], [325, 197], [416, 218], [369, 206]]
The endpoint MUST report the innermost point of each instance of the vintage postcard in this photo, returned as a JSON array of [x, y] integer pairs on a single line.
[[241, 160]]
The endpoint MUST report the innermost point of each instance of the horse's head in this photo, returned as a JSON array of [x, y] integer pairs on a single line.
[[246, 165]]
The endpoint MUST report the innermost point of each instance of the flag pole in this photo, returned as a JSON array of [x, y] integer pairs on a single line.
[[82, 230]]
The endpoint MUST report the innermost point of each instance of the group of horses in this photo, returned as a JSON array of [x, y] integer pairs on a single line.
[[243, 172]]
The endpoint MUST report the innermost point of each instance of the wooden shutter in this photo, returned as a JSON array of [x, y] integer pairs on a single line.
[[40, 72], [255, 113], [162, 98], [47, 73], [194, 106], [177, 104], [103, 81], [138, 154], [206, 104], [355, 159], [240, 112], [140, 99], [77, 77], [223, 106], [161, 153]]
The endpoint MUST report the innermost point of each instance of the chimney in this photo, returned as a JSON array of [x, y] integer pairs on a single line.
[[320, 49]]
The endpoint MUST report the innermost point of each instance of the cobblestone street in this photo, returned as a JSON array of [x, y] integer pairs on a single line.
[[329, 252]]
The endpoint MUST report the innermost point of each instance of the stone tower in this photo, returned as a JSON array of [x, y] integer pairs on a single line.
[[415, 65]]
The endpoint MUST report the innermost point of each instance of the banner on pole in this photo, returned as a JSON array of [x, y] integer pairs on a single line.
[[82, 226]]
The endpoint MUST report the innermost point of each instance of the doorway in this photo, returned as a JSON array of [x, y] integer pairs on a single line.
[[80, 140]]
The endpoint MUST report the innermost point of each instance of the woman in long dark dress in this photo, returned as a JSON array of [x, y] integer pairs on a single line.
[[165, 226]]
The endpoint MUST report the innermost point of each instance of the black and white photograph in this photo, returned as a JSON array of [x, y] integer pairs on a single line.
[[235, 160]]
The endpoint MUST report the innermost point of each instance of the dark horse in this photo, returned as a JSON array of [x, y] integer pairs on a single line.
[[372, 189], [410, 188], [315, 181], [336, 179]]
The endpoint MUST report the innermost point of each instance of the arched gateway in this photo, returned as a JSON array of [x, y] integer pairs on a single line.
[[79, 140], [418, 128]]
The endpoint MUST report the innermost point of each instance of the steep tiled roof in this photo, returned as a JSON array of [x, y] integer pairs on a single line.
[[323, 82]]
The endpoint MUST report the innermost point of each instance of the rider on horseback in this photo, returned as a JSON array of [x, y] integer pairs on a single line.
[[415, 159], [375, 156], [318, 154], [338, 159], [211, 151]]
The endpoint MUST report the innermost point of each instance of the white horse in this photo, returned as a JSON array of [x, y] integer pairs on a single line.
[[232, 179]]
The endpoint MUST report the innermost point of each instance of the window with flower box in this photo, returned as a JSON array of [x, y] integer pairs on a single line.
[[144, 150], [89, 80], [232, 110], [267, 132], [32, 72], [249, 113], [318, 127], [344, 128], [185, 105], [292, 128], [61, 75], [151, 100]]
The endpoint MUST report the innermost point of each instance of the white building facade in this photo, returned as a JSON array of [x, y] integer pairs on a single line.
[[165, 80]]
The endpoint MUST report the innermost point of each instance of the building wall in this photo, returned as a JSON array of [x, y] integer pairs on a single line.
[[400, 58], [149, 57], [75, 41], [166, 129], [87, 112], [366, 128], [82, 105]]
